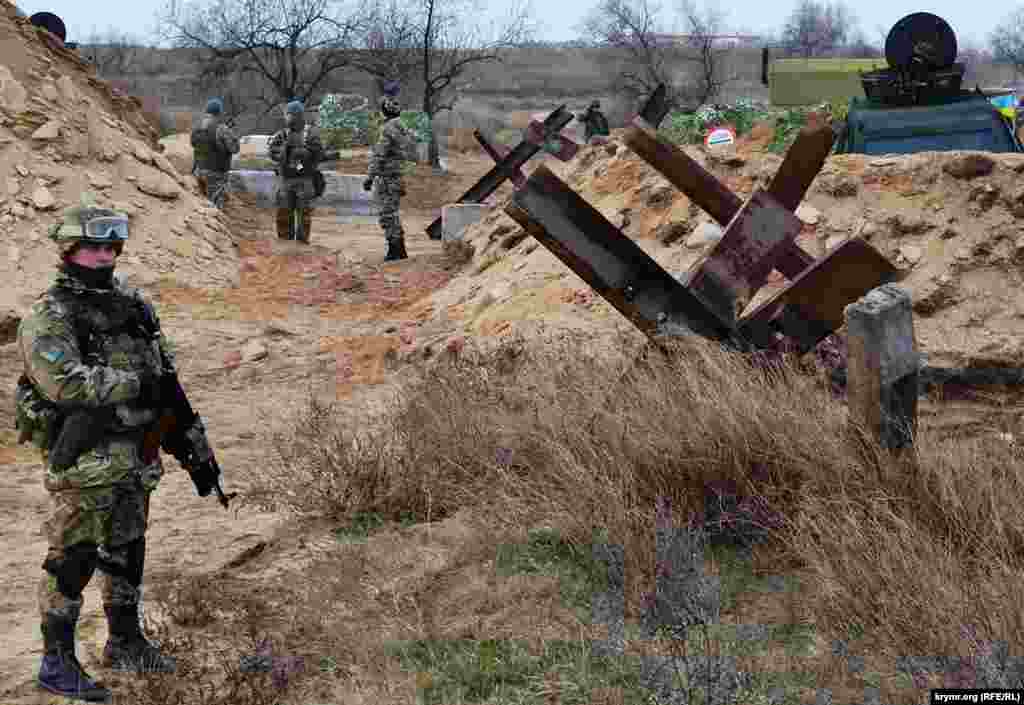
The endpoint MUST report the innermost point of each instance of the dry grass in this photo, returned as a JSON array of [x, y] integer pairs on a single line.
[[903, 556]]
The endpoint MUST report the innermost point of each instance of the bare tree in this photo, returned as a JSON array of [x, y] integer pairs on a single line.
[[113, 52], [634, 26], [291, 46], [689, 65], [390, 48], [227, 79], [816, 27], [1008, 41], [706, 81], [447, 44]]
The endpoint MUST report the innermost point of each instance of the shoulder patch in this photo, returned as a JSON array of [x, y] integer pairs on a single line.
[[52, 356]]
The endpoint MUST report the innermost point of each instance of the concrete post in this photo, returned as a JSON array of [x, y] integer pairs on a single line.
[[882, 366], [456, 217]]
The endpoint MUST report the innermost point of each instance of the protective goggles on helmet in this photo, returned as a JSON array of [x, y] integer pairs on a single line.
[[106, 229]]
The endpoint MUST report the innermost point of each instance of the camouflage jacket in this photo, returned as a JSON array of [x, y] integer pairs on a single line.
[[394, 146], [302, 187], [215, 157], [84, 347], [309, 139], [595, 123]]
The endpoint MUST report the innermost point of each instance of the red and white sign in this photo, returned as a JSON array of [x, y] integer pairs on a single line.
[[720, 137]]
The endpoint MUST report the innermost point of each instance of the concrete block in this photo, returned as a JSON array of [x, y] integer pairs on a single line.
[[344, 192], [456, 217], [883, 363], [883, 319]]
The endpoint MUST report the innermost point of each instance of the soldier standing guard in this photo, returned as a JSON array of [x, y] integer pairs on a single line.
[[297, 151], [94, 360], [384, 176], [213, 144]]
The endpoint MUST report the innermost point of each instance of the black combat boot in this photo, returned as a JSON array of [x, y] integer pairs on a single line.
[[127, 648], [396, 250], [60, 672]]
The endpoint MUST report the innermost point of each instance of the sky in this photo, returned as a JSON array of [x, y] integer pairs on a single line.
[[559, 20]]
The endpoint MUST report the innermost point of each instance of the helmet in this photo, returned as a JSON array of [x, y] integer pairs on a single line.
[[88, 223], [390, 106], [214, 106], [594, 105], [295, 107]]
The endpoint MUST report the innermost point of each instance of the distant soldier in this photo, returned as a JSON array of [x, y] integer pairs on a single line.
[[94, 366], [297, 151], [595, 124], [213, 143], [384, 176]]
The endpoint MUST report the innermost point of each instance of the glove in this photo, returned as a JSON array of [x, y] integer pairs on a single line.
[[368, 184], [150, 391]]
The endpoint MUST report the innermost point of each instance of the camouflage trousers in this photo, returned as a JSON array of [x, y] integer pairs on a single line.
[[388, 192], [215, 184], [89, 528], [282, 223]]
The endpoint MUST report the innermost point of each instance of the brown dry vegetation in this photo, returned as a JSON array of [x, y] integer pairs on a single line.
[[897, 556]]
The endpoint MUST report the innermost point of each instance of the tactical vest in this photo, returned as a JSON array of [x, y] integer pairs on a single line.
[[293, 167], [207, 151], [118, 331]]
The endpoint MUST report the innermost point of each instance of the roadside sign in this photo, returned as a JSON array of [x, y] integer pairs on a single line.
[[720, 137]]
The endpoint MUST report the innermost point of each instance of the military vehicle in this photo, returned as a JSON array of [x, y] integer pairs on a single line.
[[918, 103]]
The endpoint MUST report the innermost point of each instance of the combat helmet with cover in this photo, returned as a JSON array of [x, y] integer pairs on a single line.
[[206, 151], [390, 106], [86, 222]]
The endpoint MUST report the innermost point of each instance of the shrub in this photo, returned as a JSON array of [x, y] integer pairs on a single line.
[[690, 128], [344, 127]]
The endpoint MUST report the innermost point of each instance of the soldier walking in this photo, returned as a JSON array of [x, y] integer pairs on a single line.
[[297, 151], [213, 144], [94, 360], [384, 176], [595, 124]]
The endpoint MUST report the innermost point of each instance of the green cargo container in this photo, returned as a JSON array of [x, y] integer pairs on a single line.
[[812, 81]]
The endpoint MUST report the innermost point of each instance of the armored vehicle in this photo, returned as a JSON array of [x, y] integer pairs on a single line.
[[918, 103]]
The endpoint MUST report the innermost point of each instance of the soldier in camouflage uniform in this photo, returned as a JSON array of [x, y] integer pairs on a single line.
[[394, 146], [303, 149], [91, 344], [213, 143], [595, 124]]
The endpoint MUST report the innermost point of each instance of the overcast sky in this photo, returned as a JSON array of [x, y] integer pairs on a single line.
[[971, 22]]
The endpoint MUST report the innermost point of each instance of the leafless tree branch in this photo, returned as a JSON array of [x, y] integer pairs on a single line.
[[817, 26], [291, 45], [1008, 41]]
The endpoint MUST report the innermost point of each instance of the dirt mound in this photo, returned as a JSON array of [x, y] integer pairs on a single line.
[[62, 132], [951, 221]]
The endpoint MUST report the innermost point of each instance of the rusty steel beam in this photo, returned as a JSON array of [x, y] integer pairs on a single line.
[[804, 159], [498, 153], [728, 276], [489, 182], [609, 261], [656, 106], [812, 305], [701, 186]]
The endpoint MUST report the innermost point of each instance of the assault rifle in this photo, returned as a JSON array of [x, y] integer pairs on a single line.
[[170, 433]]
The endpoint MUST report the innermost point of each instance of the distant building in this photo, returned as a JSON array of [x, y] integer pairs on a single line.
[[720, 41]]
